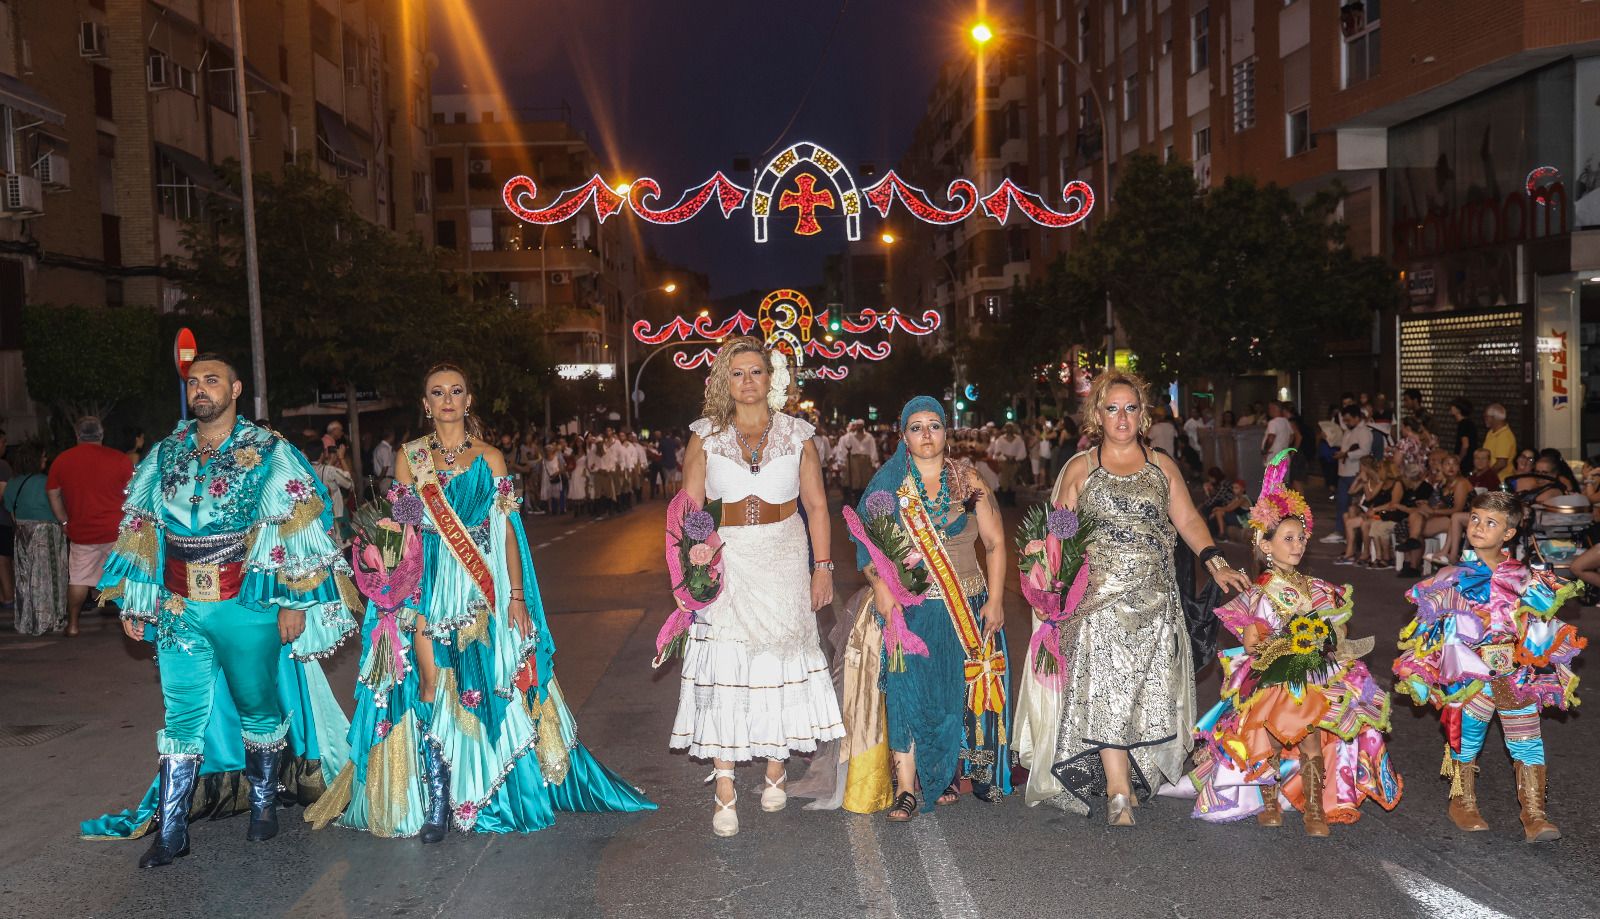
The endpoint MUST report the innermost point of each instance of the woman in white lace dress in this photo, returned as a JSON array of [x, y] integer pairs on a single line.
[[755, 684]]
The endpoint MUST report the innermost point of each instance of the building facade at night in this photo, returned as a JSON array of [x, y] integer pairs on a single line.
[[118, 113], [1466, 136]]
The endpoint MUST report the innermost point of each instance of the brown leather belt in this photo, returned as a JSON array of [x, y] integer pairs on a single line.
[[753, 510]]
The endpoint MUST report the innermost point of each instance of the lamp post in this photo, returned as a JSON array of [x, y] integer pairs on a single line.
[[982, 34], [627, 336]]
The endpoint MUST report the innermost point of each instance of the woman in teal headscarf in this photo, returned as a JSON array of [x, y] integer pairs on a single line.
[[948, 710]]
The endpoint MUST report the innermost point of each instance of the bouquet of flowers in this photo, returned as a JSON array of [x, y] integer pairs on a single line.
[[386, 561], [694, 562], [1295, 655], [1051, 548], [901, 568]]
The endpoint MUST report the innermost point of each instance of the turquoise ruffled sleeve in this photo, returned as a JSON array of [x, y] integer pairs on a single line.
[[133, 571], [293, 561]]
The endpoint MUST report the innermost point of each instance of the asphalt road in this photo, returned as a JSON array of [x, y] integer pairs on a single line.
[[603, 584]]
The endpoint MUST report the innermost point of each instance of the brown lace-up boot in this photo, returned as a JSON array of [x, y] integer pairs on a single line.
[[1536, 827], [1311, 776], [1463, 794], [1271, 810]]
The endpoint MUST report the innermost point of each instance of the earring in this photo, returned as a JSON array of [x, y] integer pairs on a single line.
[[430, 414], [1269, 559]]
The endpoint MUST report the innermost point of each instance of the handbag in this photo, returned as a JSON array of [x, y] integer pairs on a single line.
[[1199, 608]]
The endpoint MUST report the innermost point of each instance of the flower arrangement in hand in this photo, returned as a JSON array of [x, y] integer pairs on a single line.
[[386, 561], [1298, 654], [1051, 548], [694, 563], [900, 567]]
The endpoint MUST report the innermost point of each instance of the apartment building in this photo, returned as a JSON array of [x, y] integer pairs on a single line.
[[1464, 132], [589, 276], [118, 114]]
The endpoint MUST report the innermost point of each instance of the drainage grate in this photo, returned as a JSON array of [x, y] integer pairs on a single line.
[[29, 735]]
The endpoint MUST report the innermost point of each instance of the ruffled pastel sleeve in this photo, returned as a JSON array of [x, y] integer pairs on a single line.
[[1251, 608], [293, 561], [1335, 603], [133, 571]]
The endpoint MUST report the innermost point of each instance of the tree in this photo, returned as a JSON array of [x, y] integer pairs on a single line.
[[85, 361], [1239, 278], [1049, 319]]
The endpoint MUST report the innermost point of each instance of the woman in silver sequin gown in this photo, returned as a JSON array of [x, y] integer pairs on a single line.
[[1127, 712]]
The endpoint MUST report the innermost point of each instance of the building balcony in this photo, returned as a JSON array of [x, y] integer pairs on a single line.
[[568, 261]]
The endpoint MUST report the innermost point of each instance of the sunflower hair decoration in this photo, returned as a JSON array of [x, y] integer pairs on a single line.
[[1278, 502]]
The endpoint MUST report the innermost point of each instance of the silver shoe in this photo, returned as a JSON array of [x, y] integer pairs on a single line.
[[1120, 811]]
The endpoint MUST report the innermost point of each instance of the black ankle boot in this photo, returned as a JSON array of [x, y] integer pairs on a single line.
[[438, 777], [176, 788], [261, 771]]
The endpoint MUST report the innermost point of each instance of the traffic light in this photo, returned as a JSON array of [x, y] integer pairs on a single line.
[[961, 406], [1011, 414], [834, 324]]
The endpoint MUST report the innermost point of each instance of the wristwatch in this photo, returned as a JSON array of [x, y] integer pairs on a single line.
[[824, 564]]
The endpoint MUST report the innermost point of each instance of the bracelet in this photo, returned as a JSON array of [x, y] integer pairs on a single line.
[[825, 564], [1216, 563], [1209, 553]]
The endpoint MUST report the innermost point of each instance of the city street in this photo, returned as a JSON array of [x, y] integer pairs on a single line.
[[80, 717]]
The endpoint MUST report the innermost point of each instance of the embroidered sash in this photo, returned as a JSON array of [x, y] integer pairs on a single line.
[[451, 529], [985, 666]]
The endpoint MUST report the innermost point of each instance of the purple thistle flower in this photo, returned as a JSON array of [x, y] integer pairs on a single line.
[[407, 508], [1061, 523], [699, 526], [880, 504]]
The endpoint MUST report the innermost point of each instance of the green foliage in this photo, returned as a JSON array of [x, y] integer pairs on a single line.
[[85, 360], [907, 371], [885, 532]]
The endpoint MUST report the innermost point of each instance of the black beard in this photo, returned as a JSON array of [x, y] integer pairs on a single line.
[[208, 411]]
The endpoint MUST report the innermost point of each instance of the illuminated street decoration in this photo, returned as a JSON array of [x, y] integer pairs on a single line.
[[807, 182], [786, 321], [1541, 183]]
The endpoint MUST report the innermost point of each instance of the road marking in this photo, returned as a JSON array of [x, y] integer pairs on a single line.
[[872, 878], [1436, 899], [950, 894]]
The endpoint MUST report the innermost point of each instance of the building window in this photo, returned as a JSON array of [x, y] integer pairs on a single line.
[[175, 190], [444, 234], [1130, 97], [1083, 37], [1199, 44], [444, 175], [1202, 143], [323, 29], [1061, 83], [1244, 95], [1169, 154], [1127, 7], [102, 92], [1298, 130], [1363, 44]]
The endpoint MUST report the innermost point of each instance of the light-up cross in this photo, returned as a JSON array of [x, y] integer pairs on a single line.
[[807, 199]]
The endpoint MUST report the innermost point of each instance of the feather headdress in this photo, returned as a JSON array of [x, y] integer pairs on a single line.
[[1278, 502]]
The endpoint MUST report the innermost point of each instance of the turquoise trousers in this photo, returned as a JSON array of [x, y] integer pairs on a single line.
[[240, 641]]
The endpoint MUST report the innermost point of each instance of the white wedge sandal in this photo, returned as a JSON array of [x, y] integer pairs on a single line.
[[724, 820], [775, 796]]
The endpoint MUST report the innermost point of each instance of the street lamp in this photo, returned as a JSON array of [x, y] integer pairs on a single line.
[[982, 33], [627, 336]]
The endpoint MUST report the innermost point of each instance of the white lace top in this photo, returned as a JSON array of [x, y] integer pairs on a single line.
[[728, 475]]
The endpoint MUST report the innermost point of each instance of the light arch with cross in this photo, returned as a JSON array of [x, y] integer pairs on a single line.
[[807, 200]]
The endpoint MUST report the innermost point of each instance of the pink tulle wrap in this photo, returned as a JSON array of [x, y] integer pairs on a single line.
[[682, 617], [898, 639]]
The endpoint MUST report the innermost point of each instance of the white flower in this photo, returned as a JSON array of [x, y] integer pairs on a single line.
[[778, 394]]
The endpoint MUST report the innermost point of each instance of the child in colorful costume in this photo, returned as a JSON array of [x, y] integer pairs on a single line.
[[1297, 705], [1485, 640]]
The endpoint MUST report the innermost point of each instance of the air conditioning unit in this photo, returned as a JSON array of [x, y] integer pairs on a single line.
[[480, 167], [157, 71], [24, 196], [92, 40], [53, 171], [559, 277]]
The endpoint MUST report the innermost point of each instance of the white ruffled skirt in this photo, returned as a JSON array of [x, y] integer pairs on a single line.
[[755, 683]]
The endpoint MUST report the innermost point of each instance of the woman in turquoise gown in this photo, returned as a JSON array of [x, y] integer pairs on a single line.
[[459, 718]]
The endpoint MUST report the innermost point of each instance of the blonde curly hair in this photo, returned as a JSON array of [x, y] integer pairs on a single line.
[[718, 406], [1097, 397]]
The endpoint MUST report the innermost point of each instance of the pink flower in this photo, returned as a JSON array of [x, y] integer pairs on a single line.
[[297, 488], [471, 698], [383, 728], [1052, 553], [387, 523], [278, 554], [371, 557], [218, 488], [466, 812], [1034, 547], [912, 559], [504, 486], [701, 554], [136, 524], [1038, 577]]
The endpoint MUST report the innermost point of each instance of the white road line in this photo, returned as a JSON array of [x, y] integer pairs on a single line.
[[872, 878], [542, 545], [950, 894], [1436, 899]]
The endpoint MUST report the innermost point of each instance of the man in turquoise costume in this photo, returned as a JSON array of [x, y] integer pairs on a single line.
[[225, 562]]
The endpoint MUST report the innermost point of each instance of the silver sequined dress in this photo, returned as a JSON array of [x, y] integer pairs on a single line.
[[1130, 684]]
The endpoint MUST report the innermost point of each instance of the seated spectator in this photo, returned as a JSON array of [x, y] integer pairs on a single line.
[[1387, 513], [1483, 477], [1366, 492], [1225, 503], [1416, 491], [1451, 492]]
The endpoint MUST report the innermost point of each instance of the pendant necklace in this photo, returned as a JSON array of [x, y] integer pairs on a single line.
[[449, 454], [760, 447]]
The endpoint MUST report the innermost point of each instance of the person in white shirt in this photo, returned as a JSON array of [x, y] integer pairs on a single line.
[[1007, 451], [1199, 420], [1280, 433], [336, 480], [1356, 443], [1163, 435], [1039, 456], [383, 462], [859, 460]]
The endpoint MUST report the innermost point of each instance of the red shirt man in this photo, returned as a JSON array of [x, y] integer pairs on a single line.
[[85, 488]]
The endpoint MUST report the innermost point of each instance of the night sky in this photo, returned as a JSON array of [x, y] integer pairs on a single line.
[[675, 89]]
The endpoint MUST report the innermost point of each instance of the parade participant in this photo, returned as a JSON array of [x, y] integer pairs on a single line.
[[1301, 719], [461, 678], [755, 682], [223, 560], [1008, 451], [948, 709], [1122, 727], [857, 455], [1486, 641]]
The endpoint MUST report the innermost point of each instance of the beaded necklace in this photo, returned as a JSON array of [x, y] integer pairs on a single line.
[[939, 509]]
